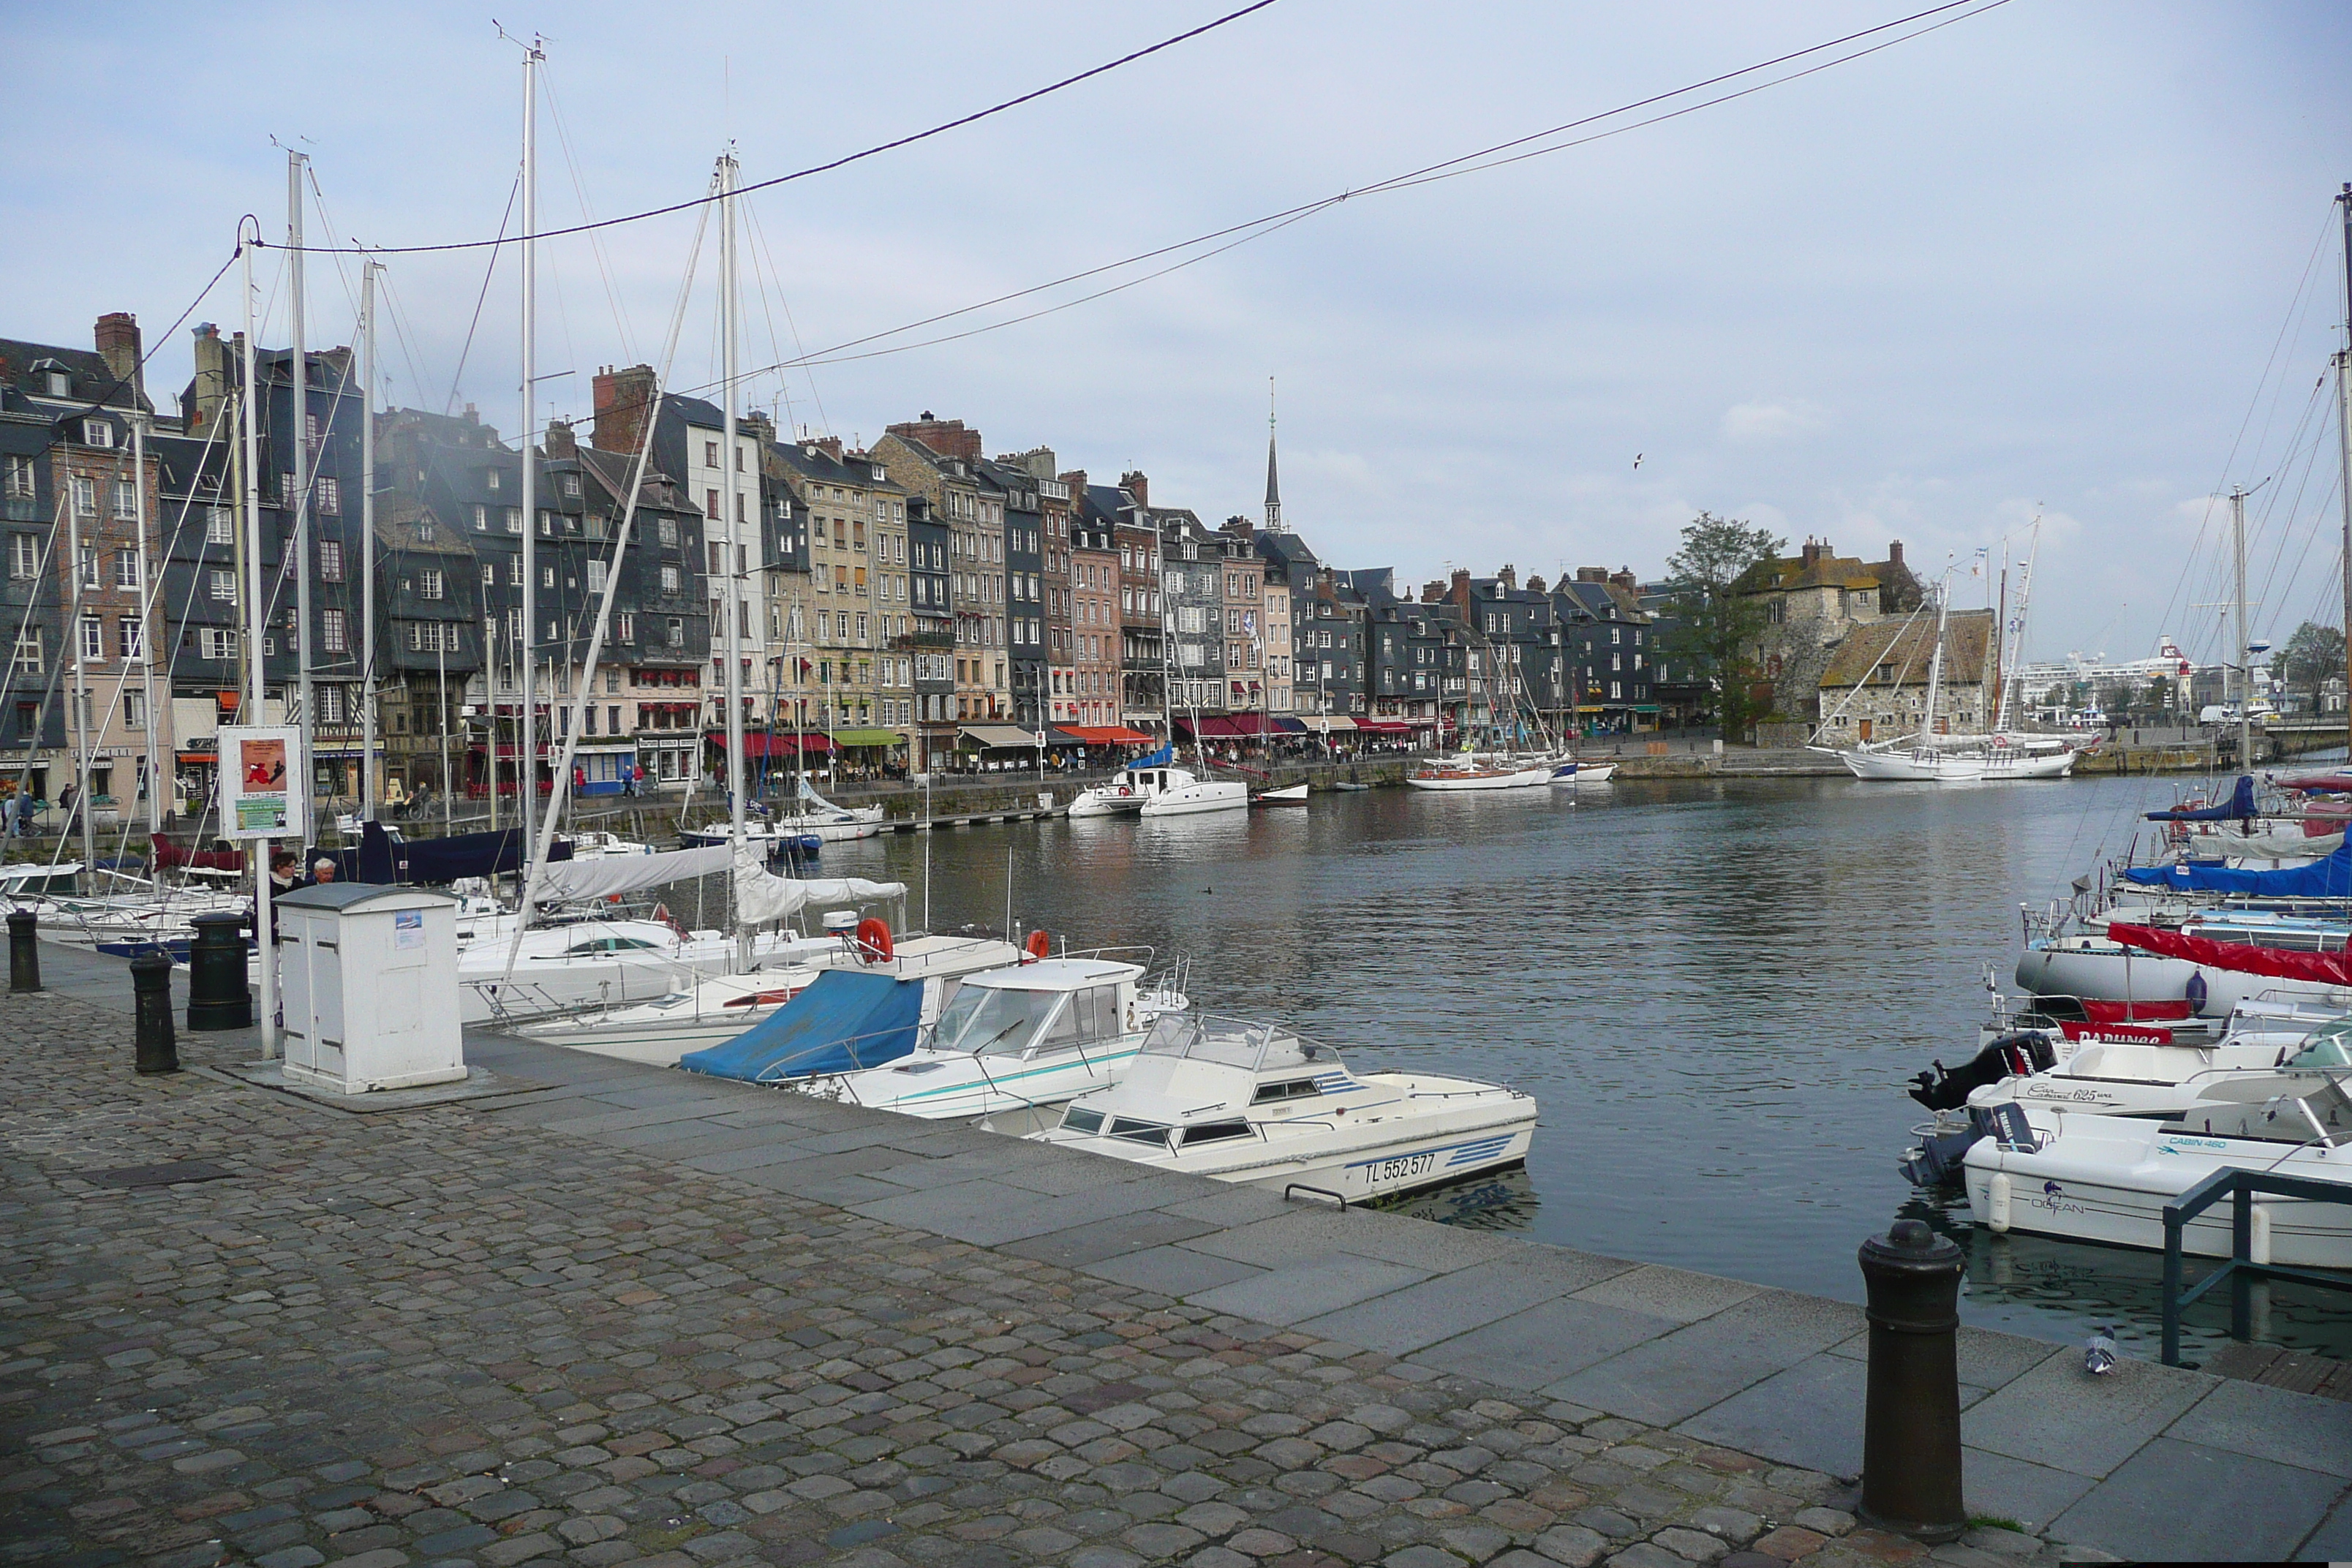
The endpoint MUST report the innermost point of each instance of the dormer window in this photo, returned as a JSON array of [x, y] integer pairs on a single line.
[[60, 385], [96, 433]]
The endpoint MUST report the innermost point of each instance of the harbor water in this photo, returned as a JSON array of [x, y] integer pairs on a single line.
[[1716, 991]]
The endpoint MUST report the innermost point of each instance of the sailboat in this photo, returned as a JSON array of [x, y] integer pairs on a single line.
[[1917, 758]]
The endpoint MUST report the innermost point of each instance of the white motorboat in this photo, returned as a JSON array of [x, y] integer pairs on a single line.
[[1013, 1039], [1577, 775], [1466, 772], [599, 845], [2107, 1178], [1179, 792], [811, 816], [605, 963], [704, 1010], [1262, 1104], [1292, 795]]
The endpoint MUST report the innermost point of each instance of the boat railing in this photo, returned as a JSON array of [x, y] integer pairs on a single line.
[[1233, 1042], [2250, 1246], [884, 1046]]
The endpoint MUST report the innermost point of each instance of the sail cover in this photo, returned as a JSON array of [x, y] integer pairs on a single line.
[[570, 880], [844, 1021], [2328, 879], [2239, 806], [2238, 957], [1158, 759], [762, 895], [2274, 846]]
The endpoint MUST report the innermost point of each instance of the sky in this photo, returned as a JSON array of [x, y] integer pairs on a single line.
[[2075, 261]]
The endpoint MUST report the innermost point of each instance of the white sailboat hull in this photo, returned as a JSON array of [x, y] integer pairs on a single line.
[[1450, 784], [1204, 795], [1583, 775], [2101, 970], [1911, 767]]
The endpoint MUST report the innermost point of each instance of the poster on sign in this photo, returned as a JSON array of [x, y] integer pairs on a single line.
[[261, 782]]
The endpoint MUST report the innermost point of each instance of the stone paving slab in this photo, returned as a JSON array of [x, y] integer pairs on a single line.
[[2183, 1501], [451, 1335]]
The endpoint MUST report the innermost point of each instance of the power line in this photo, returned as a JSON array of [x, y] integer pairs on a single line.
[[843, 162]]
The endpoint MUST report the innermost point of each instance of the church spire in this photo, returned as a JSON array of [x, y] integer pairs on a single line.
[[1273, 488]]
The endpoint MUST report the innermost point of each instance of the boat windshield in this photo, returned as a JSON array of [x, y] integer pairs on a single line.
[[990, 1020], [2329, 1047], [1233, 1042]]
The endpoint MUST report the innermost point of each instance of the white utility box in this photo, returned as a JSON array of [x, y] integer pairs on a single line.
[[370, 978]]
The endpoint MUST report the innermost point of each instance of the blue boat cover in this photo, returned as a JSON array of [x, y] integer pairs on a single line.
[[2237, 808], [844, 1021], [2328, 879], [1158, 759]]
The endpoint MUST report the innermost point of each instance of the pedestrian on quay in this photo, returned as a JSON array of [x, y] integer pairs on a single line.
[[322, 872]]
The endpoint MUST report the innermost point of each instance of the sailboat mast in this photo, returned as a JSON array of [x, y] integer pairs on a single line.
[[526, 745], [298, 549], [79, 710], [731, 501], [1935, 661], [368, 790], [152, 722], [256, 676], [2344, 443], [2239, 657]]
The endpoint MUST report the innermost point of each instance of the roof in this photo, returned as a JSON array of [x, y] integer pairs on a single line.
[[348, 895], [86, 366], [1892, 653], [1055, 974]]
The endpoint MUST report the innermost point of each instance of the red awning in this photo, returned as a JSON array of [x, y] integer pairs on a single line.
[[760, 744], [1107, 734], [1384, 726], [1230, 727], [2238, 957]]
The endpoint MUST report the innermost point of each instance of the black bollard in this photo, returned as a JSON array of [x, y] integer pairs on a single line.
[[151, 983], [24, 951], [218, 997], [1911, 1423]]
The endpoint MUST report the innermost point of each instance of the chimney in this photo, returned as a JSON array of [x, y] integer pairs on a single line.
[[829, 444], [1535, 585], [1239, 527], [1813, 552], [1135, 485], [1432, 592], [948, 437], [1460, 593], [558, 441], [757, 426], [1038, 462], [473, 415], [210, 388], [624, 401], [118, 345], [1076, 480], [1508, 577], [1624, 578], [1593, 573], [1894, 552]]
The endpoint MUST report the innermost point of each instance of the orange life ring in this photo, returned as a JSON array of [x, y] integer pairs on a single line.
[[874, 945], [1040, 945]]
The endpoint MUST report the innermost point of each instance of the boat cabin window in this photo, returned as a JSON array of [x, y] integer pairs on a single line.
[[1215, 1131], [1135, 1131], [987, 1020], [1291, 1089], [1079, 1121], [2330, 1047], [1089, 1015], [608, 944]]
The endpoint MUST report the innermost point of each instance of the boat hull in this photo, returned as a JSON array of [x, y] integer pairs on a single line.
[[1208, 795], [1294, 795], [1443, 783], [1911, 767], [2099, 970]]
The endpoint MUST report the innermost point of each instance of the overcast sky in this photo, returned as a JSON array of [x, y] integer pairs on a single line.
[[2076, 259]]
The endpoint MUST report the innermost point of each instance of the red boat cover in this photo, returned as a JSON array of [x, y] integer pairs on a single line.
[[2325, 968], [2136, 1034], [2324, 783], [169, 855], [2128, 1012]]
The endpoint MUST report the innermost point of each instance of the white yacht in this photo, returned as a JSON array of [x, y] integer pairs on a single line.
[[1573, 774], [1013, 1039], [2107, 1178], [705, 1010], [811, 815], [1261, 1103], [605, 963], [1466, 772], [1172, 791]]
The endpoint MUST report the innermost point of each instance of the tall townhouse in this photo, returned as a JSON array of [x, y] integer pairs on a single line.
[[83, 519], [858, 604], [932, 644], [1193, 605], [1245, 594], [644, 712], [1278, 652], [1025, 589], [1059, 512], [1142, 660], [1608, 651], [935, 459], [429, 644], [1096, 623]]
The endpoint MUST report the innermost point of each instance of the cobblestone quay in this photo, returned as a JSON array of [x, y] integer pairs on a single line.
[[626, 1317]]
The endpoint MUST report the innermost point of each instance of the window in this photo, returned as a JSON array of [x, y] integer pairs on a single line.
[[428, 582], [330, 560], [514, 571], [20, 477], [572, 486], [85, 495], [29, 654], [666, 530], [89, 566], [126, 499], [224, 586], [490, 575], [131, 637], [625, 627], [328, 493], [710, 501], [135, 711], [674, 633], [93, 638], [217, 642], [424, 530], [96, 433], [546, 576], [333, 633], [711, 458], [311, 432], [482, 520], [24, 555], [219, 526], [514, 520], [595, 576], [669, 579], [491, 479]]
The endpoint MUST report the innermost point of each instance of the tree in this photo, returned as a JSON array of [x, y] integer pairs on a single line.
[[1715, 624], [2314, 654]]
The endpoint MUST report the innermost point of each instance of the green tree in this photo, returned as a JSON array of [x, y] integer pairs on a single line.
[[2312, 656], [1716, 624]]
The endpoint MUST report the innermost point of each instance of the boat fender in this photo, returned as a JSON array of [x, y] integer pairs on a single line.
[[1996, 1192], [2258, 1245], [2197, 991], [873, 941], [1039, 945]]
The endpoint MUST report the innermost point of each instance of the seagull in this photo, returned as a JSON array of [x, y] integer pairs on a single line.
[[1637, 459]]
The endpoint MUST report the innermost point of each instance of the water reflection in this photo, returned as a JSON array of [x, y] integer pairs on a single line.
[[1716, 990], [1505, 1201]]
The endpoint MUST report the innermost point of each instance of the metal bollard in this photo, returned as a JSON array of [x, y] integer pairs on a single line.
[[151, 982], [24, 951], [1911, 1422], [218, 997]]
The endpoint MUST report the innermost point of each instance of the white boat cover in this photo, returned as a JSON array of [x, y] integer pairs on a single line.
[[564, 881], [2266, 846], [761, 894]]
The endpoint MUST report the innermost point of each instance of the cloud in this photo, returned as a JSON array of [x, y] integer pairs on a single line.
[[1753, 424]]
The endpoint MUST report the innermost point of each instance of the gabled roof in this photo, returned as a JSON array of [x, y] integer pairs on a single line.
[[90, 377], [1898, 653]]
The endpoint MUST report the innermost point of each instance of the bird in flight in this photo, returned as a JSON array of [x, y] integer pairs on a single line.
[[1637, 459]]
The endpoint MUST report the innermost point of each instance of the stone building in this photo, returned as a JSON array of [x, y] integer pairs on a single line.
[[1810, 603], [935, 459], [1874, 686]]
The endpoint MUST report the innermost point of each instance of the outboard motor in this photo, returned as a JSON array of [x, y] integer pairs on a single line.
[[2011, 1055], [1942, 1157]]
